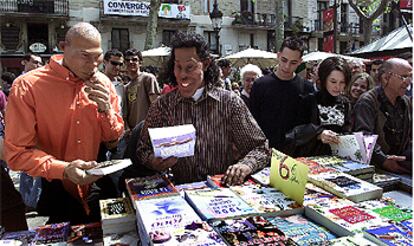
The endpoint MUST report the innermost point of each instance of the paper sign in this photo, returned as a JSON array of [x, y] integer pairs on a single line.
[[288, 175]]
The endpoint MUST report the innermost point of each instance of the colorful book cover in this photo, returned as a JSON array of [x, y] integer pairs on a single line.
[[150, 187], [177, 141], [217, 203], [25, 237], [326, 160], [262, 176], [316, 168], [301, 230], [255, 230], [171, 221], [86, 234], [288, 175], [346, 186], [393, 213], [54, 233], [349, 218], [354, 168], [265, 199], [390, 235], [216, 181], [356, 147], [191, 186]]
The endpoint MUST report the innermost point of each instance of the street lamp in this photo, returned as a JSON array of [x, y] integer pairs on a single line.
[[216, 17]]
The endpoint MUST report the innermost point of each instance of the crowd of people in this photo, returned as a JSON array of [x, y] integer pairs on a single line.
[[64, 117]]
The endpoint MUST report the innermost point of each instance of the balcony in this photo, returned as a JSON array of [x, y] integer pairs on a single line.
[[254, 20], [33, 8]]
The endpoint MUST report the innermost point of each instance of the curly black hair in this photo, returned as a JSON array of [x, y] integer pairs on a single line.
[[189, 40]]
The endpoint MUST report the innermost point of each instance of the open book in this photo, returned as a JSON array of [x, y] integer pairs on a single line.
[[356, 147]]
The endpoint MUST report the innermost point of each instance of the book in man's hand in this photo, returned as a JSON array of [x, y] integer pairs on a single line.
[[108, 167], [356, 147]]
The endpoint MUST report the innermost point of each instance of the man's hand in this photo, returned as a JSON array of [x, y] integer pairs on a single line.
[[391, 164], [98, 93], [75, 172], [236, 174], [159, 164], [329, 137]]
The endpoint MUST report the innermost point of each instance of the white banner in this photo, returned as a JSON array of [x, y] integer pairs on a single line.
[[133, 8], [127, 8]]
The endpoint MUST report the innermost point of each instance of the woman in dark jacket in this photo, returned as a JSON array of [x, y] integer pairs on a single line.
[[326, 114]]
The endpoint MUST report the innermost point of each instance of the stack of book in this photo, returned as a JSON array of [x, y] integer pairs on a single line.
[[171, 221], [217, 203], [346, 186], [387, 210], [54, 234], [392, 235], [117, 216], [262, 177]]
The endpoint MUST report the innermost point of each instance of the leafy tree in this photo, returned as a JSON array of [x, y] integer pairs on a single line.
[[368, 12], [152, 24]]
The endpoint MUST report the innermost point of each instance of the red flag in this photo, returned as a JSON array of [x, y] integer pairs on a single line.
[[328, 17], [328, 43]]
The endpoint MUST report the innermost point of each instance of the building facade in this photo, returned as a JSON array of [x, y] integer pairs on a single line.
[[39, 25]]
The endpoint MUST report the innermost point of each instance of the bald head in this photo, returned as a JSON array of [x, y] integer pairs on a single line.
[[82, 30]]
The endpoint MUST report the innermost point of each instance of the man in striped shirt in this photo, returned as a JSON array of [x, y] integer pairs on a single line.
[[224, 125]]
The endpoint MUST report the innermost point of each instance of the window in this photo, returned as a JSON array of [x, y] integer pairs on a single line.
[[344, 17], [252, 40], [120, 39], [167, 36], [208, 6], [246, 6], [211, 38]]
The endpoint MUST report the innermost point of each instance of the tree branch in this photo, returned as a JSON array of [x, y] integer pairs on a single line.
[[357, 9]]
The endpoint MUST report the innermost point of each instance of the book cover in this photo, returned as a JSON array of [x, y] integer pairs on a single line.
[[393, 213], [354, 168], [216, 181], [86, 234], [174, 141], [108, 167], [25, 237], [346, 186], [191, 186], [356, 147], [265, 199], [301, 230], [262, 176], [117, 209], [54, 233], [390, 235], [171, 221], [150, 187], [255, 230], [326, 160], [217, 203]]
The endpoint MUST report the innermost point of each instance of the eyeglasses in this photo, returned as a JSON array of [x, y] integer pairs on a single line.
[[36, 62], [402, 77], [135, 59], [250, 79], [115, 63]]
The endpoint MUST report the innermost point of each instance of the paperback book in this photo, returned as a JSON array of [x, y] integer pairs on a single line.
[[262, 176], [217, 203], [315, 167], [53, 233], [266, 199], [353, 240], [171, 221], [356, 147], [108, 167], [346, 186], [174, 141], [301, 230], [390, 235], [255, 230], [86, 234], [150, 187], [117, 216]]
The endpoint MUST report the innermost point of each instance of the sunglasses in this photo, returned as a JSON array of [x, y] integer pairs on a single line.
[[132, 60], [115, 63]]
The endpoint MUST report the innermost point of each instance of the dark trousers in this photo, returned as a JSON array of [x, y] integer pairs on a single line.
[[12, 216], [60, 206]]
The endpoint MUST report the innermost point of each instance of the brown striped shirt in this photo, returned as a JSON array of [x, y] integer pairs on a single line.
[[221, 119]]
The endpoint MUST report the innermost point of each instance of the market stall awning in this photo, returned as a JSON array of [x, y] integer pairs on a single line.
[[155, 57], [257, 57], [397, 40], [319, 56]]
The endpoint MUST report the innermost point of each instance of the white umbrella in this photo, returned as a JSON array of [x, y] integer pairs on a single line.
[[257, 57], [155, 57], [319, 56]]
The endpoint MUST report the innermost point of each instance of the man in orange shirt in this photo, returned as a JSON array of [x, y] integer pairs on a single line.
[[56, 118]]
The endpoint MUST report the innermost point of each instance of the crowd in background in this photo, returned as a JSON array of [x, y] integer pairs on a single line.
[[299, 115]]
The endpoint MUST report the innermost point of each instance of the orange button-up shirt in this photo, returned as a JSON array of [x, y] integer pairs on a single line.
[[50, 121]]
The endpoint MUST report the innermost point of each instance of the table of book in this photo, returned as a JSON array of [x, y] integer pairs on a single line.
[[338, 209]]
